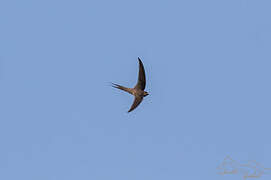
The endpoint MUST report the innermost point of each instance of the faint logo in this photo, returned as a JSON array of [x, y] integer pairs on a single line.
[[251, 169]]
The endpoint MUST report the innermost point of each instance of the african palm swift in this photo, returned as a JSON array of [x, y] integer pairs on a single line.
[[138, 90]]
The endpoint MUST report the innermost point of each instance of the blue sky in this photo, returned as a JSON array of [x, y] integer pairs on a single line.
[[208, 75]]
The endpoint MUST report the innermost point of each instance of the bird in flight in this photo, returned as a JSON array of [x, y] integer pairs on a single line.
[[138, 90]]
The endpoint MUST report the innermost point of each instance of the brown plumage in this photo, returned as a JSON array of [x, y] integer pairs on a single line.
[[138, 90]]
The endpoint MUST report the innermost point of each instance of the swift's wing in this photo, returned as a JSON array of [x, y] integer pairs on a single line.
[[136, 102], [141, 82]]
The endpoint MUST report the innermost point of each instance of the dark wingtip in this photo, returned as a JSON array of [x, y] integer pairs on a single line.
[[130, 110], [139, 59]]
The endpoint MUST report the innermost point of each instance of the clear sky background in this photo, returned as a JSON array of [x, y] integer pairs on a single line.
[[208, 74]]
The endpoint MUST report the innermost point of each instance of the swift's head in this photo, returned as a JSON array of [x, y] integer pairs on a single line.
[[145, 93]]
